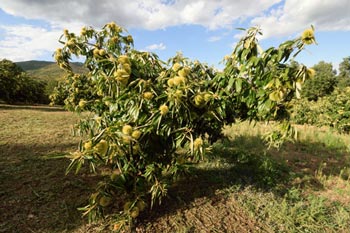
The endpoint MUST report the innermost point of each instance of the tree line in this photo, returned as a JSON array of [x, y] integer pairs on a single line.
[[17, 86]]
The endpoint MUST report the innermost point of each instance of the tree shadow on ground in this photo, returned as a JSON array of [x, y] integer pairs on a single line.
[[244, 162], [38, 197], [36, 194]]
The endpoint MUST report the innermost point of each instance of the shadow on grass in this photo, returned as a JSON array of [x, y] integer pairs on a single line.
[[43, 108], [36, 195], [244, 162]]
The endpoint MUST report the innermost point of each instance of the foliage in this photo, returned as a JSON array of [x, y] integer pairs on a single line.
[[150, 120], [17, 86], [323, 82], [332, 110]]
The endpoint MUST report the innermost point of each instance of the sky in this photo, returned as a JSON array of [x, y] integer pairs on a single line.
[[201, 30]]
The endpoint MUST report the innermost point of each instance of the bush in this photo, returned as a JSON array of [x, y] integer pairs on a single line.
[[149, 121]]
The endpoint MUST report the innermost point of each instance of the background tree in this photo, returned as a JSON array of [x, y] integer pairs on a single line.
[[17, 86], [344, 73], [8, 85], [323, 82]]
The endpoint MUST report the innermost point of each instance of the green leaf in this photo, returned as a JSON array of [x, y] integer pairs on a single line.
[[238, 85], [230, 83]]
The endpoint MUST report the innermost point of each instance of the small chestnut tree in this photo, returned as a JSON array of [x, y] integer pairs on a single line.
[[147, 121]]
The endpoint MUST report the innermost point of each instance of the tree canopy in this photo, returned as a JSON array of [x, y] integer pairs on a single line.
[[323, 82]]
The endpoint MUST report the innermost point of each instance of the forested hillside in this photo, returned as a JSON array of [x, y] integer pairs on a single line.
[[47, 70]]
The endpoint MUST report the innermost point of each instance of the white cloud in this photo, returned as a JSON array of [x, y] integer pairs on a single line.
[[25, 42], [296, 15], [150, 14], [153, 47], [30, 42]]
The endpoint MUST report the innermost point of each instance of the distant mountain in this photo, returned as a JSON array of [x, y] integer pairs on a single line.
[[47, 70], [33, 65]]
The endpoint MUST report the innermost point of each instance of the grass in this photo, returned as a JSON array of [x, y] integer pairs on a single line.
[[36, 196], [240, 187]]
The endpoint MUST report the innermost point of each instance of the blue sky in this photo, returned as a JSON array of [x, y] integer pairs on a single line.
[[203, 30]]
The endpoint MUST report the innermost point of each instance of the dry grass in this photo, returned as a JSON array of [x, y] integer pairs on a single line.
[[36, 195]]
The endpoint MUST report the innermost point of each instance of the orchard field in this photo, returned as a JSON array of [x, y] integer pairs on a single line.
[[240, 186], [166, 146]]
